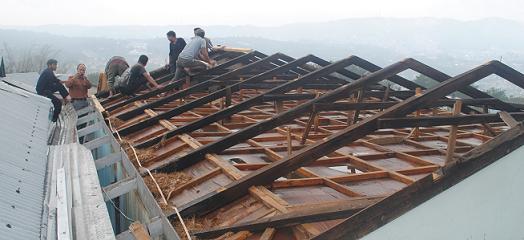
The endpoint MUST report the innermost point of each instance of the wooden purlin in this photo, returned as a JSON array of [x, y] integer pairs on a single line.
[[352, 133], [162, 75], [237, 171], [402, 201], [202, 87], [168, 76], [196, 79], [327, 68], [291, 66], [228, 141]]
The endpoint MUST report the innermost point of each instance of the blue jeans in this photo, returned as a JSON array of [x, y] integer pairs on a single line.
[[79, 104]]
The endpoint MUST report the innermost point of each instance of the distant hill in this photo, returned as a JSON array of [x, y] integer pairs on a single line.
[[450, 45]]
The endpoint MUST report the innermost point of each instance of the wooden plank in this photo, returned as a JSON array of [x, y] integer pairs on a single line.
[[305, 215], [508, 119], [410, 197], [337, 140], [139, 231]]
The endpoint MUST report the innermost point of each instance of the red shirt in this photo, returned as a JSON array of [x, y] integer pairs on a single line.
[[78, 86]]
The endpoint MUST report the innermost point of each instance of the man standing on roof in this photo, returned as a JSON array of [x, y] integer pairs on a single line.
[[194, 56], [138, 76], [48, 84], [176, 45], [78, 85], [115, 67]]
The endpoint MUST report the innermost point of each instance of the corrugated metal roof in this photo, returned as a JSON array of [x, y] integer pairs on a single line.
[[24, 128], [26, 81]]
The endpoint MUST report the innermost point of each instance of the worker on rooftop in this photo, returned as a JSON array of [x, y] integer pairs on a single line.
[[78, 85], [209, 44], [138, 76], [176, 45], [115, 67], [48, 84], [194, 57]]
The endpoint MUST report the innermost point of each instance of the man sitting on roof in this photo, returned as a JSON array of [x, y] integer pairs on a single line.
[[194, 57], [138, 76], [48, 84]]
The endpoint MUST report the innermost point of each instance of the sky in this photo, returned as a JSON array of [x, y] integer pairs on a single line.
[[242, 12]]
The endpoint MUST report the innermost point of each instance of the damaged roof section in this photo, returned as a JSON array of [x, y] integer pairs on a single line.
[[272, 147]]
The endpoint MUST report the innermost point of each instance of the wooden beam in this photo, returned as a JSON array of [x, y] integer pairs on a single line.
[[410, 197], [130, 114], [171, 86], [402, 122], [508, 119], [211, 97], [273, 171], [257, 99], [339, 210]]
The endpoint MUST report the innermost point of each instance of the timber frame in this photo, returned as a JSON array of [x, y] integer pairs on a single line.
[[282, 148]]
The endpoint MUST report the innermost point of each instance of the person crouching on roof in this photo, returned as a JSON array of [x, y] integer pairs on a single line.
[[138, 77], [78, 85], [115, 67], [48, 84], [194, 57]]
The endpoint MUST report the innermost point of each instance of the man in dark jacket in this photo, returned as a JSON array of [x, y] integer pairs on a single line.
[[48, 84], [176, 45]]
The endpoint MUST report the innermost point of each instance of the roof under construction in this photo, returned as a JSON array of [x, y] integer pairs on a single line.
[[272, 147]]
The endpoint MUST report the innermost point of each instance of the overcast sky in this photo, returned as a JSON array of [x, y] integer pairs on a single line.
[[242, 12]]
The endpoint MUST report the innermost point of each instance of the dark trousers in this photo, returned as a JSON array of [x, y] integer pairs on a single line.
[[57, 105]]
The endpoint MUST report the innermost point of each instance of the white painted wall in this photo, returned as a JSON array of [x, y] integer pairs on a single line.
[[487, 205]]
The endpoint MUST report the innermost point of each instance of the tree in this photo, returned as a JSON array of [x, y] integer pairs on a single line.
[[32, 59], [425, 81], [498, 93]]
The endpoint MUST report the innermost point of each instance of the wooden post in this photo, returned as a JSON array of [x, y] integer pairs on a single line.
[[488, 130], [416, 131], [279, 106], [317, 116], [386, 95], [350, 112], [241, 95], [299, 91], [452, 138], [228, 97], [310, 121], [289, 142], [359, 99]]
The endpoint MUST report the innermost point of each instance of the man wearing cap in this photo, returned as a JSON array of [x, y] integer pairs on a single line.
[[194, 56], [48, 84]]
